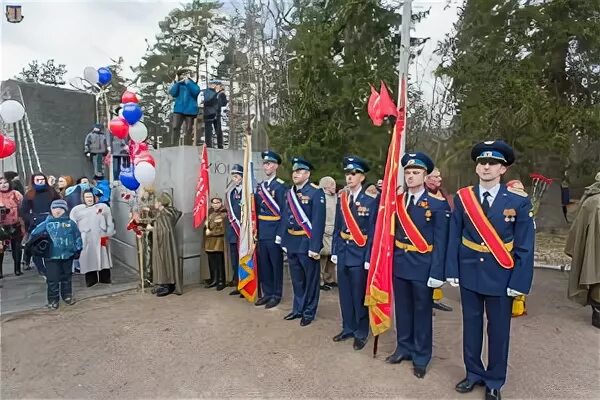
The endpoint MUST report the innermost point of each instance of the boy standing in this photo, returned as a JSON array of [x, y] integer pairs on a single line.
[[64, 247]]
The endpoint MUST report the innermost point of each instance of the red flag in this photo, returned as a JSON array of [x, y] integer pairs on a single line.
[[386, 105], [372, 108], [201, 199], [378, 296]]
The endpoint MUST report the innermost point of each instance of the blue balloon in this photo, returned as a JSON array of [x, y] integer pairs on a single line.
[[128, 180], [132, 112], [104, 76]]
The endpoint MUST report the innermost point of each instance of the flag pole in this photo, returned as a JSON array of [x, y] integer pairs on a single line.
[[403, 63]]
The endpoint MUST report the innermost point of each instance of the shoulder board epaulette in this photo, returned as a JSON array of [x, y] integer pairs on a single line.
[[315, 186], [517, 191], [437, 195], [280, 180], [371, 191]]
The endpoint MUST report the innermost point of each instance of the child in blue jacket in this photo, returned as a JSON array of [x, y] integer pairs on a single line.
[[65, 246]]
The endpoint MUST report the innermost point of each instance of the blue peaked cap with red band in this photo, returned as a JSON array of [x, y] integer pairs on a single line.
[[417, 160], [497, 150], [237, 169]]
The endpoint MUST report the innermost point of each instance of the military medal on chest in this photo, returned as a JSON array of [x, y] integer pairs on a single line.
[[428, 215], [509, 215]]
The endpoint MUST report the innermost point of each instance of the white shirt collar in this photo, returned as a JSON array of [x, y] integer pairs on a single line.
[[493, 193], [238, 188], [299, 187], [416, 196], [268, 181], [356, 193]]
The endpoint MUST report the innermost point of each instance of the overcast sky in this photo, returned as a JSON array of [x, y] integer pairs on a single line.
[[91, 32]]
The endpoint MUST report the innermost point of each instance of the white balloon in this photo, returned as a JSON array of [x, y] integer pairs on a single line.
[[90, 74], [138, 132], [144, 173], [11, 111]]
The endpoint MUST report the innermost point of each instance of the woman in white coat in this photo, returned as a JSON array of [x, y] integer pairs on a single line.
[[96, 225]]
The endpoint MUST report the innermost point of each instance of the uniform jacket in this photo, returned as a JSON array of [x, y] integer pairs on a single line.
[[186, 97], [214, 238], [234, 199], [364, 209], [583, 245], [312, 201], [431, 215], [267, 229], [64, 235], [479, 271]]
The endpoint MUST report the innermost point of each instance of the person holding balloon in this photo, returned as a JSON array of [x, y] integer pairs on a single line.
[[185, 91]]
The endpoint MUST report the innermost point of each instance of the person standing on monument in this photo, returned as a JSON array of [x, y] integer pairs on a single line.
[[96, 147], [185, 91]]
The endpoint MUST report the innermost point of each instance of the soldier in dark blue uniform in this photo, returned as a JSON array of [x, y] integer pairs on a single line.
[[270, 202], [234, 211], [490, 255], [301, 236], [356, 214], [421, 234]]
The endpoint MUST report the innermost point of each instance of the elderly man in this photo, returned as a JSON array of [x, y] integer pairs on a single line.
[[328, 185]]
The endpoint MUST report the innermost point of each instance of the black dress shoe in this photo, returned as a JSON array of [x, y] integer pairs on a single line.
[[162, 291], [419, 372], [465, 386], [492, 394], [305, 321], [220, 287], [397, 358], [340, 337], [262, 301], [441, 306], [292, 316], [210, 284], [272, 303], [595, 317], [332, 284], [241, 295], [18, 273], [235, 292], [325, 287], [359, 343]]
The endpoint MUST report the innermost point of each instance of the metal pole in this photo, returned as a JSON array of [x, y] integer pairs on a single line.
[[403, 73]]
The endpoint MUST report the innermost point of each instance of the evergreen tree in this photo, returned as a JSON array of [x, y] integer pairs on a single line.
[[338, 49]]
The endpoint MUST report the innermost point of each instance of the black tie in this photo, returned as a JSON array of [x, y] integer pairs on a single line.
[[351, 200], [410, 201], [485, 204]]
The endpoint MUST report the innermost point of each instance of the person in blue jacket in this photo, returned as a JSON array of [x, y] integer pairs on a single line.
[[490, 255], [270, 202], [65, 245], [185, 109], [356, 210], [421, 234], [301, 237]]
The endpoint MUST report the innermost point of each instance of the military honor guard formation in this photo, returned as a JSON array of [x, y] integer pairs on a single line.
[[485, 246]]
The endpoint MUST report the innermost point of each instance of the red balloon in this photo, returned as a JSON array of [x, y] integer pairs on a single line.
[[8, 147], [1, 140], [129, 97], [119, 127], [144, 156]]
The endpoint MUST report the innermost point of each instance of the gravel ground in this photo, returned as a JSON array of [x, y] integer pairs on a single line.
[[210, 345]]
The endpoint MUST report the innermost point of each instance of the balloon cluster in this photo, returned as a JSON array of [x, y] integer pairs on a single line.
[[143, 170], [101, 76], [11, 111]]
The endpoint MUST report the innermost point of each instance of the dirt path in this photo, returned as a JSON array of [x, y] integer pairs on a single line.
[[211, 345]]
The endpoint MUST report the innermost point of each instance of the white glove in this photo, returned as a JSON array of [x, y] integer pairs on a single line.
[[314, 255], [452, 281], [434, 283], [367, 265], [277, 239], [284, 249], [513, 293], [334, 259]]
